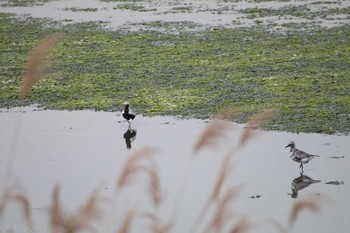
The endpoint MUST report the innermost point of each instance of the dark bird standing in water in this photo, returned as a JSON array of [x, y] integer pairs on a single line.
[[299, 156], [127, 113]]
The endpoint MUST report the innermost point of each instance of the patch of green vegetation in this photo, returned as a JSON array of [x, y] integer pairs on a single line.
[[228, 1], [14, 3], [304, 75], [170, 27], [182, 9], [302, 11], [77, 9], [324, 2], [295, 11], [133, 7]]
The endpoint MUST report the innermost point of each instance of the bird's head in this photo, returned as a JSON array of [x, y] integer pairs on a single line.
[[291, 144]]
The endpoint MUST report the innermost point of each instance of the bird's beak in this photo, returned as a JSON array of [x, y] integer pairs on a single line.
[[287, 146]]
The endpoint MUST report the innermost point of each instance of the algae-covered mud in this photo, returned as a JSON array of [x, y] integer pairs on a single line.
[[192, 58]]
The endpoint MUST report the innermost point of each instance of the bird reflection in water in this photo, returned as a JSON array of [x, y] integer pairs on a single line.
[[300, 183], [129, 136]]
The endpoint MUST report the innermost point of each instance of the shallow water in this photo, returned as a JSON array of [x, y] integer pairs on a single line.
[[81, 150], [208, 13]]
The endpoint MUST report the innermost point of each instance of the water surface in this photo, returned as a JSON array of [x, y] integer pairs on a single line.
[[81, 150], [207, 13]]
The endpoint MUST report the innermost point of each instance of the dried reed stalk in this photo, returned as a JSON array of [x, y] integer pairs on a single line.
[[225, 171], [278, 225], [126, 226], [222, 213], [155, 223], [311, 203], [154, 187], [36, 62], [243, 226], [254, 123], [227, 113], [76, 222], [16, 195], [133, 167], [215, 130]]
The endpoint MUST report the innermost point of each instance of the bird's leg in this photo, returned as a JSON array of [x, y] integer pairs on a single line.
[[302, 168]]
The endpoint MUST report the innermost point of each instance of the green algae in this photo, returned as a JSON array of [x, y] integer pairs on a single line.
[[22, 3], [303, 75]]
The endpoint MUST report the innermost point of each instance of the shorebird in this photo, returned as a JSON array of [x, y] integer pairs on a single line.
[[127, 113], [299, 156]]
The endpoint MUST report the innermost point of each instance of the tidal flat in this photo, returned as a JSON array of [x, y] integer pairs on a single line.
[[71, 163]]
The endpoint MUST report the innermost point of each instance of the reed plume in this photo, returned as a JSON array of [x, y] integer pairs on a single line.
[[215, 130], [155, 225], [222, 213], [16, 195], [278, 225], [254, 123], [225, 171], [36, 62], [126, 226], [242, 226], [227, 113], [82, 219], [312, 203], [136, 165]]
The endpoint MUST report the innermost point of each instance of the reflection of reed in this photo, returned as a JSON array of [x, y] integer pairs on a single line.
[[300, 183]]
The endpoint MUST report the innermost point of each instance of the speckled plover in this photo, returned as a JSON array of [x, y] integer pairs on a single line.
[[298, 155]]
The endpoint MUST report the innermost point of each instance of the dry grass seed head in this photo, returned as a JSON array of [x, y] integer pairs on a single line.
[[132, 165], [215, 130], [311, 203], [90, 209], [36, 62], [24, 202], [17, 195], [278, 225], [154, 187], [126, 225], [242, 226], [56, 215], [254, 123], [222, 213], [227, 113], [3, 202], [155, 223], [225, 171], [81, 220]]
